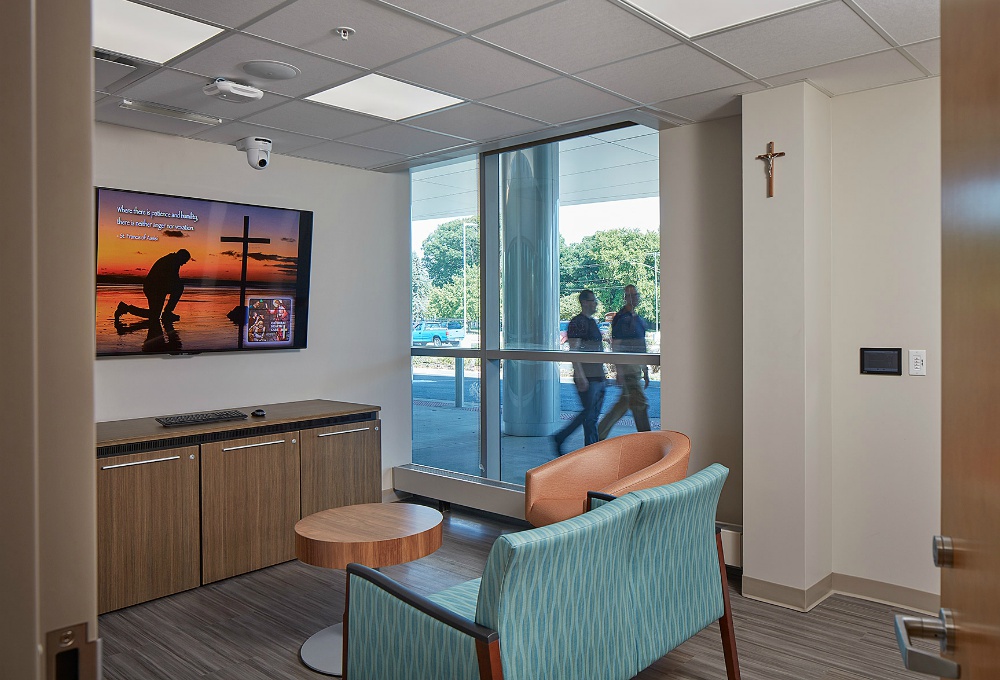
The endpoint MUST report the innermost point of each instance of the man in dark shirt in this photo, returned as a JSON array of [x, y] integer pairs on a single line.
[[628, 334], [163, 281], [583, 335]]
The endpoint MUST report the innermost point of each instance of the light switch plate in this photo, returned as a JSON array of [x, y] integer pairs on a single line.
[[918, 361]]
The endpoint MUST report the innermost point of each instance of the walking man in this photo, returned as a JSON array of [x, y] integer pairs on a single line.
[[628, 334], [583, 335]]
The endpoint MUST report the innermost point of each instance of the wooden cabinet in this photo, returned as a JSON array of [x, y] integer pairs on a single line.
[[148, 534], [182, 506], [249, 504], [338, 467]]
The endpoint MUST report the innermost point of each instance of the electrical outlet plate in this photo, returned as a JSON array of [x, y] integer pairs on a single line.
[[918, 361]]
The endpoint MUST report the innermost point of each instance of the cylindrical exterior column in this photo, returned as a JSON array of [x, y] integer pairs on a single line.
[[530, 223]]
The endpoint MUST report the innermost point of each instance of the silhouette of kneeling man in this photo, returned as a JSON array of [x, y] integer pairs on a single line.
[[161, 285]]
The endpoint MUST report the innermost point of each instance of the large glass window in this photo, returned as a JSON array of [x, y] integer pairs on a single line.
[[559, 221]]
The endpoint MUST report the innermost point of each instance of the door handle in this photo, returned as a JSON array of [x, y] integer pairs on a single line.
[[943, 549], [922, 661]]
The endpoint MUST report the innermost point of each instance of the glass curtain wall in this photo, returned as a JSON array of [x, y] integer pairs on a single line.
[[562, 220]]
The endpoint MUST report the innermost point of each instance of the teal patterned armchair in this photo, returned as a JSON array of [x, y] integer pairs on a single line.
[[601, 595]]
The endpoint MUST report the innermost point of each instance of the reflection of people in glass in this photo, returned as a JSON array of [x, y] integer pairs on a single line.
[[628, 334], [162, 284], [583, 335]]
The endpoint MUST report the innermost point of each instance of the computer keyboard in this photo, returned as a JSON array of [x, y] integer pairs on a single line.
[[203, 417]]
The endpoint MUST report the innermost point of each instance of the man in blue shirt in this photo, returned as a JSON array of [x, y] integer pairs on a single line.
[[628, 334], [583, 335]]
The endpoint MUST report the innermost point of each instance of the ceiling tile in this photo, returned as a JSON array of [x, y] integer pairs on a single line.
[[667, 74], [345, 154], [589, 33], [107, 72], [860, 73], [403, 140], [709, 105], [472, 121], [109, 111], [226, 58], [468, 16], [559, 101], [284, 142], [232, 13], [906, 22], [803, 39], [383, 35], [928, 54], [315, 119], [469, 70], [183, 91]]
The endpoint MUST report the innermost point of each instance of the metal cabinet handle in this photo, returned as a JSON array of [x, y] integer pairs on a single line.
[[140, 462], [357, 429], [250, 446], [919, 660]]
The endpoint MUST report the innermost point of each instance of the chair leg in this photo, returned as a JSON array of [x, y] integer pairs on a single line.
[[726, 622], [489, 660]]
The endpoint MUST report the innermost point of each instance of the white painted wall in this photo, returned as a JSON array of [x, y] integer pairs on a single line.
[[701, 229], [359, 308], [887, 293]]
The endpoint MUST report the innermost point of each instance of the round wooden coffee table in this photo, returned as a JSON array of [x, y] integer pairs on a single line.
[[373, 534]]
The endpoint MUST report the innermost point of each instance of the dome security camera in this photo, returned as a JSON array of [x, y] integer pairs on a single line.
[[258, 151]]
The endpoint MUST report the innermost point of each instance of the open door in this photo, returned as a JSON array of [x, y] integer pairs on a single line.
[[969, 549]]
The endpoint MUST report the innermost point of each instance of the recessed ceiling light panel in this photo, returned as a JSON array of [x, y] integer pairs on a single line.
[[270, 70], [383, 97], [695, 17], [139, 31]]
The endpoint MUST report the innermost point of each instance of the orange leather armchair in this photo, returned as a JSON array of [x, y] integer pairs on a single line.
[[558, 489]]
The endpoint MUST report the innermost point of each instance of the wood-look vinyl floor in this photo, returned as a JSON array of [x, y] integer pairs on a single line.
[[250, 627]]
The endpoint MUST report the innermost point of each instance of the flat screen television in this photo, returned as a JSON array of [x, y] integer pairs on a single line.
[[182, 275]]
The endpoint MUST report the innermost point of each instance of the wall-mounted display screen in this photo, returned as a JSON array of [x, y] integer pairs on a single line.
[[186, 275]]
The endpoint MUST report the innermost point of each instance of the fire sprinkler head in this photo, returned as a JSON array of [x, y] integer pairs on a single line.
[[344, 32]]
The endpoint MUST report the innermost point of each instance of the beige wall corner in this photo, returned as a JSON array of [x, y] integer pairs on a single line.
[[701, 236], [48, 565], [787, 527]]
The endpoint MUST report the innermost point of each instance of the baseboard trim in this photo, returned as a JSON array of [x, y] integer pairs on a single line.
[[887, 593], [393, 496], [786, 596], [852, 586]]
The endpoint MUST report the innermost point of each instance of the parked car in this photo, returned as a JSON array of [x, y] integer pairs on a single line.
[[430, 333], [438, 333], [456, 332]]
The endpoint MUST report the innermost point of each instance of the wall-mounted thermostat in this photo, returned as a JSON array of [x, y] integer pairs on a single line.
[[882, 360]]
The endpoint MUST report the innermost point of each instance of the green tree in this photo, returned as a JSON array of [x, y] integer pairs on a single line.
[[445, 301], [607, 261], [443, 249], [420, 288]]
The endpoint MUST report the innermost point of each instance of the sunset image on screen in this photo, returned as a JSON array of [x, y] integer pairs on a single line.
[[170, 273]]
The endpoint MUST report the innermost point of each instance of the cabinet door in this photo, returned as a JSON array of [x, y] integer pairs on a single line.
[[249, 504], [341, 465], [148, 539]]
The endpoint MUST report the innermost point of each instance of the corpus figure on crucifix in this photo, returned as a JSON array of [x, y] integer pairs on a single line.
[[239, 315], [768, 159]]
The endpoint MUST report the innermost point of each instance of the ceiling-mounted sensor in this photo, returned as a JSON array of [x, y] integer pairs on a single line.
[[270, 70], [232, 92], [344, 32]]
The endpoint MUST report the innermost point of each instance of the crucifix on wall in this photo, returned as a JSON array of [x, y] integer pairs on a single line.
[[246, 241], [768, 159]]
